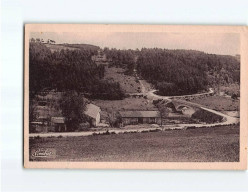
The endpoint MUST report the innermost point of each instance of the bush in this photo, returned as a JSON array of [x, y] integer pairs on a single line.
[[192, 127], [234, 96], [206, 116], [104, 133]]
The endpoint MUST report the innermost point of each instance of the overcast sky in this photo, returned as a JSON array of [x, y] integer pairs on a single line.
[[216, 43]]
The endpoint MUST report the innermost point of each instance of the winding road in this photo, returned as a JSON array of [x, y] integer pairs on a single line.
[[227, 120]]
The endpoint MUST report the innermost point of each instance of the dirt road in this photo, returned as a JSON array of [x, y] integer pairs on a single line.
[[227, 120]]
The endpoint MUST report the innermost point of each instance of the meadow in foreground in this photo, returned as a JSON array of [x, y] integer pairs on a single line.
[[216, 144]]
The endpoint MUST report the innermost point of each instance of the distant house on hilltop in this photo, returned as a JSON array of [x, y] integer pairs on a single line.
[[49, 41], [140, 117], [100, 58], [93, 112], [237, 57]]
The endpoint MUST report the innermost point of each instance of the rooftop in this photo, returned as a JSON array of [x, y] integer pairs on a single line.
[[92, 110], [139, 114], [58, 120]]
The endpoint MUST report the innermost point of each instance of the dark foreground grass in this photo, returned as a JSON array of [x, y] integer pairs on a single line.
[[218, 144]]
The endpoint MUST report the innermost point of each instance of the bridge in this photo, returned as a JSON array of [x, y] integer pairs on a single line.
[[180, 104]]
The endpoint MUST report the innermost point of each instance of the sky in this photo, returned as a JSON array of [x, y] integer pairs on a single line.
[[214, 43]]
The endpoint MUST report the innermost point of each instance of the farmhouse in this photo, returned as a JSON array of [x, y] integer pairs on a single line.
[[139, 117], [100, 58], [93, 112]]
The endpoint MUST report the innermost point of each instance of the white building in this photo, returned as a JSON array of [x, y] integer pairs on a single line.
[[188, 111], [93, 112]]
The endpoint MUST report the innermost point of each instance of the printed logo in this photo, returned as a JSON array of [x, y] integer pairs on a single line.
[[43, 153]]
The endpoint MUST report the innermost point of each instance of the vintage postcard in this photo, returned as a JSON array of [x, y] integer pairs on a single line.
[[135, 96]]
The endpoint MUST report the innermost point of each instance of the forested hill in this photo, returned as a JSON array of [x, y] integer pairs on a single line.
[[178, 72], [172, 72], [65, 70]]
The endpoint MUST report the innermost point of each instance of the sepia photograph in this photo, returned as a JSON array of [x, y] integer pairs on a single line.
[[135, 96]]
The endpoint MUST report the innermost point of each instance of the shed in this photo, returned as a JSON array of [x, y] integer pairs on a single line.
[[58, 123]]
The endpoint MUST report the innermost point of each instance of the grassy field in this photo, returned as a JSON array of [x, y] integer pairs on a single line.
[[218, 144], [218, 103], [128, 83]]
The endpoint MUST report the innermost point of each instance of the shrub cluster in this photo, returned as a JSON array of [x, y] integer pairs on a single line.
[[206, 116]]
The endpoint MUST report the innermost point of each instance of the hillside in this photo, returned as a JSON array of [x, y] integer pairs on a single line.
[[177, 72], [56, 47], [59, 47], [182, 72], [171, 72], [81, 46], [128, 83]]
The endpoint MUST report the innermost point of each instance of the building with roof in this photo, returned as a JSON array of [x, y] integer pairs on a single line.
[[58, 124], [140, 117], [100, 58], [93, 112]]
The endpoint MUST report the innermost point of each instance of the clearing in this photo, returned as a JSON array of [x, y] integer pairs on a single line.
[[58, 47], [128, 83], [218, 103]]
